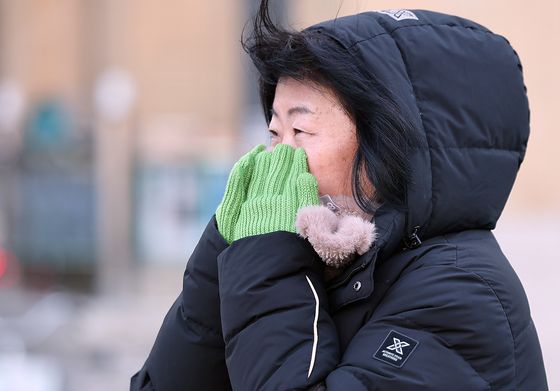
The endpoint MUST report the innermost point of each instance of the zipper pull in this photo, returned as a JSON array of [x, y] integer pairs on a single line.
[[413, 240]]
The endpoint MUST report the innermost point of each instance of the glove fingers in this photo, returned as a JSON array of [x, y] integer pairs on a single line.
[[298, 167], [307, 190], [228, 210], [299, 164], [246, 163], [236, 193], [260, 174], [280, 169], [264, 192], [250, 156]]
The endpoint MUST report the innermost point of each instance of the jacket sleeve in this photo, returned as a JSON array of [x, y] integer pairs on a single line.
[[279, 334], [425, 334], [188, 353], [276, 326]]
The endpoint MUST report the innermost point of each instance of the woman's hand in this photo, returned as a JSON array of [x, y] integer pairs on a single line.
[[265, 191]]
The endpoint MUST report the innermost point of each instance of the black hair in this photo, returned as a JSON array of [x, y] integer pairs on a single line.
[[384, 135]]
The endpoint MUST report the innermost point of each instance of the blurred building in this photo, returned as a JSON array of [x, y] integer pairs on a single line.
[[120, 121]]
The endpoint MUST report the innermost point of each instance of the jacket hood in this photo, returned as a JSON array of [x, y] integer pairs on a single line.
[[462, 87]]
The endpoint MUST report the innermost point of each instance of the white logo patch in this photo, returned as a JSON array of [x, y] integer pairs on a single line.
[[397, 353], [399, 14]]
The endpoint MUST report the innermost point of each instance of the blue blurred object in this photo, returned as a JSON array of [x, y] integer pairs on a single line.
[[54, 209], [211, 185], [173, 203], [55, 224], [48, 126]]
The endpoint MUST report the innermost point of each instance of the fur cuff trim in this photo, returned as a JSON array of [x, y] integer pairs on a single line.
[[337, 239]]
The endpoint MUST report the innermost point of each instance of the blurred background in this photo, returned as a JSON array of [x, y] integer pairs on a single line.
[[119, 122]]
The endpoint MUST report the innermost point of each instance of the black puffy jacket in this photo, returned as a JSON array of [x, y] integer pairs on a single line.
[[447, 314]]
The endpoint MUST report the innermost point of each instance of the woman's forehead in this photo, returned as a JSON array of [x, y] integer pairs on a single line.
[[302, 97]]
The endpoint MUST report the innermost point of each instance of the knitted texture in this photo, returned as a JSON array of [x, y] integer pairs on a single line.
[[264, 192]]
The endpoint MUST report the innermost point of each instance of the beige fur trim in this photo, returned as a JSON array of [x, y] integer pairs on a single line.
[[337, 239]]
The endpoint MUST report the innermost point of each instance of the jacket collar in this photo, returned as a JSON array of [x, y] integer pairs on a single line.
[[356, 282]]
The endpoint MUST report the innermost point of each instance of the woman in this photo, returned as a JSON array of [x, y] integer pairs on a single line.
[[356, 252]]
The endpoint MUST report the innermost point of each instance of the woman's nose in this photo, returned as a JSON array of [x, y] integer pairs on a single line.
[[288, 140]]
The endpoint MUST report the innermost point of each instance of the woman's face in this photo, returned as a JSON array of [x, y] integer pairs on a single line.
[[309, 116]]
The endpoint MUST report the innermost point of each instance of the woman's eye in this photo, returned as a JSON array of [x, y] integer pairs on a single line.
[[297, 131], [273, 133]]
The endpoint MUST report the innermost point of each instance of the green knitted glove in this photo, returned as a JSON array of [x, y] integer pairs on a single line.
[[264, 192]]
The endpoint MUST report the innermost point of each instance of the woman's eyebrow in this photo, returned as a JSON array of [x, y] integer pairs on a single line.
[[295, 110]]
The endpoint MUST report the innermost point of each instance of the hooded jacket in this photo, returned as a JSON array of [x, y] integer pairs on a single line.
[[434, 304]]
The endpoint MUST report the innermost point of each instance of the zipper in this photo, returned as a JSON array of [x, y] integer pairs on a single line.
[[413, 240]]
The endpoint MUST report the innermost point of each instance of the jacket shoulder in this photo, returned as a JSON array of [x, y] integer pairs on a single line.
[[462, 288], [474, 256]]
